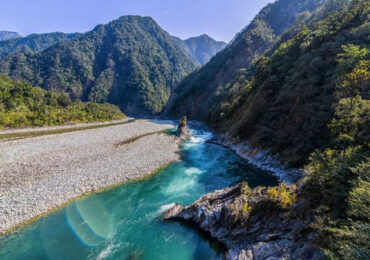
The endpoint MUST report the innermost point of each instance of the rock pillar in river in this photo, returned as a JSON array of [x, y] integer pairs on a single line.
[[182, 129]]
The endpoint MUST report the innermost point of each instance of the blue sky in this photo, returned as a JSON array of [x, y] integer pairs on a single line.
[[221, 19]]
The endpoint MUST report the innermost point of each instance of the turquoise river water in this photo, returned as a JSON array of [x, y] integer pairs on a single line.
[[125, 222]]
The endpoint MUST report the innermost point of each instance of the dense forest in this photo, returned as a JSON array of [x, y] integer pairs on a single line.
[[197, 93], [33, 42], [23, 105], [130, 62], [288, 103]]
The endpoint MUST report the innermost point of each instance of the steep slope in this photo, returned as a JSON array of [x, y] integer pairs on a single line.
[[197, 93], [288, 104], [23, 105], [5, 35], [201, 49], [130, 62], [33, 42], [310, 98]]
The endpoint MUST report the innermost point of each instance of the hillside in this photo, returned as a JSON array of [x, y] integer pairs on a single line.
[[201, 49], [130, 62], [33, 42], [307, 101], [23, 105], [287, 105], [5, 35], [197, 93]]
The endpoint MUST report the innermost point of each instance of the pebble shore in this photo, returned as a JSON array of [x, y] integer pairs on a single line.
[[41, 173]]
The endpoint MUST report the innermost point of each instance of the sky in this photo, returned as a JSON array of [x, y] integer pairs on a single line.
[[220, 19]]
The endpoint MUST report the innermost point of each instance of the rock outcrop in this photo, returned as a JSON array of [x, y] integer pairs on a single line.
[[182, 128], [263, 223]]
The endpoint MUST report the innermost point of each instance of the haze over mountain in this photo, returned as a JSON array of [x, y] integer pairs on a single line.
[[130, 62], [33, 42], [5, 35], [201, 49]]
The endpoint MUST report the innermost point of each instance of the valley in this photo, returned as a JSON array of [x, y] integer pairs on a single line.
[[270, 158]]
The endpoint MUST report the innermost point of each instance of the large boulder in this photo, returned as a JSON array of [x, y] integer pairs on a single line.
[[263, 223]]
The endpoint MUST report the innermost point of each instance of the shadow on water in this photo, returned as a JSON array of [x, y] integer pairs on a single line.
[[125, 222]]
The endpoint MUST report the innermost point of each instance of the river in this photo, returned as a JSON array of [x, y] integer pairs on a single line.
[[125, 222]]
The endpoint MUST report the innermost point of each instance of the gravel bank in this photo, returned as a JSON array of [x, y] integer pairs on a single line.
[[38, 174]]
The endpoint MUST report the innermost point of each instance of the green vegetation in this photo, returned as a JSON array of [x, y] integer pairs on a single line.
[[135, 138], [198, 93], [339, 180], [33, 42], [273, 199], [23, 105], [130, 62], [287, 104], [307, 101]]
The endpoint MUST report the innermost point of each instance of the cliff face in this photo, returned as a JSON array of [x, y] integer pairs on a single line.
[[263, 223]]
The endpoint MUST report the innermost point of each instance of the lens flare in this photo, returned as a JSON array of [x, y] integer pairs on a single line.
[[90, 221]]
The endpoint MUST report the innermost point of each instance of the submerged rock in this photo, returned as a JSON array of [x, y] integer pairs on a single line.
[[263, 223], [182, 129]]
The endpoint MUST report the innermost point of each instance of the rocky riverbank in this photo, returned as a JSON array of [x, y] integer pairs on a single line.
[[262, 159], [41, 173], [263, 223]]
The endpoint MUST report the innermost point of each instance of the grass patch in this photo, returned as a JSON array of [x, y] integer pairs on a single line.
[[135, 138], [23, 135]]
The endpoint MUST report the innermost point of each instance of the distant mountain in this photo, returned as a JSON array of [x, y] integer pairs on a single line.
[[201, 49], [130, 62], [5, 35], [33, 42]]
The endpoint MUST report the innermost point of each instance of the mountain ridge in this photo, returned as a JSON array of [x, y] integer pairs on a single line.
[[130, 62], [6, 35], [34, 42]]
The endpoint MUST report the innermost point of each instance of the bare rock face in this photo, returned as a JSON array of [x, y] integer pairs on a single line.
[[263, 223], [182, 129]]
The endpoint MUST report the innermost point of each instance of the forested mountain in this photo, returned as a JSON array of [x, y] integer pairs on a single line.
[[33, 42], [287, 105], [23, 105], [130, 62], [201, 49], [310, 103], [198, 92], [307, 101], [5, 35]]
